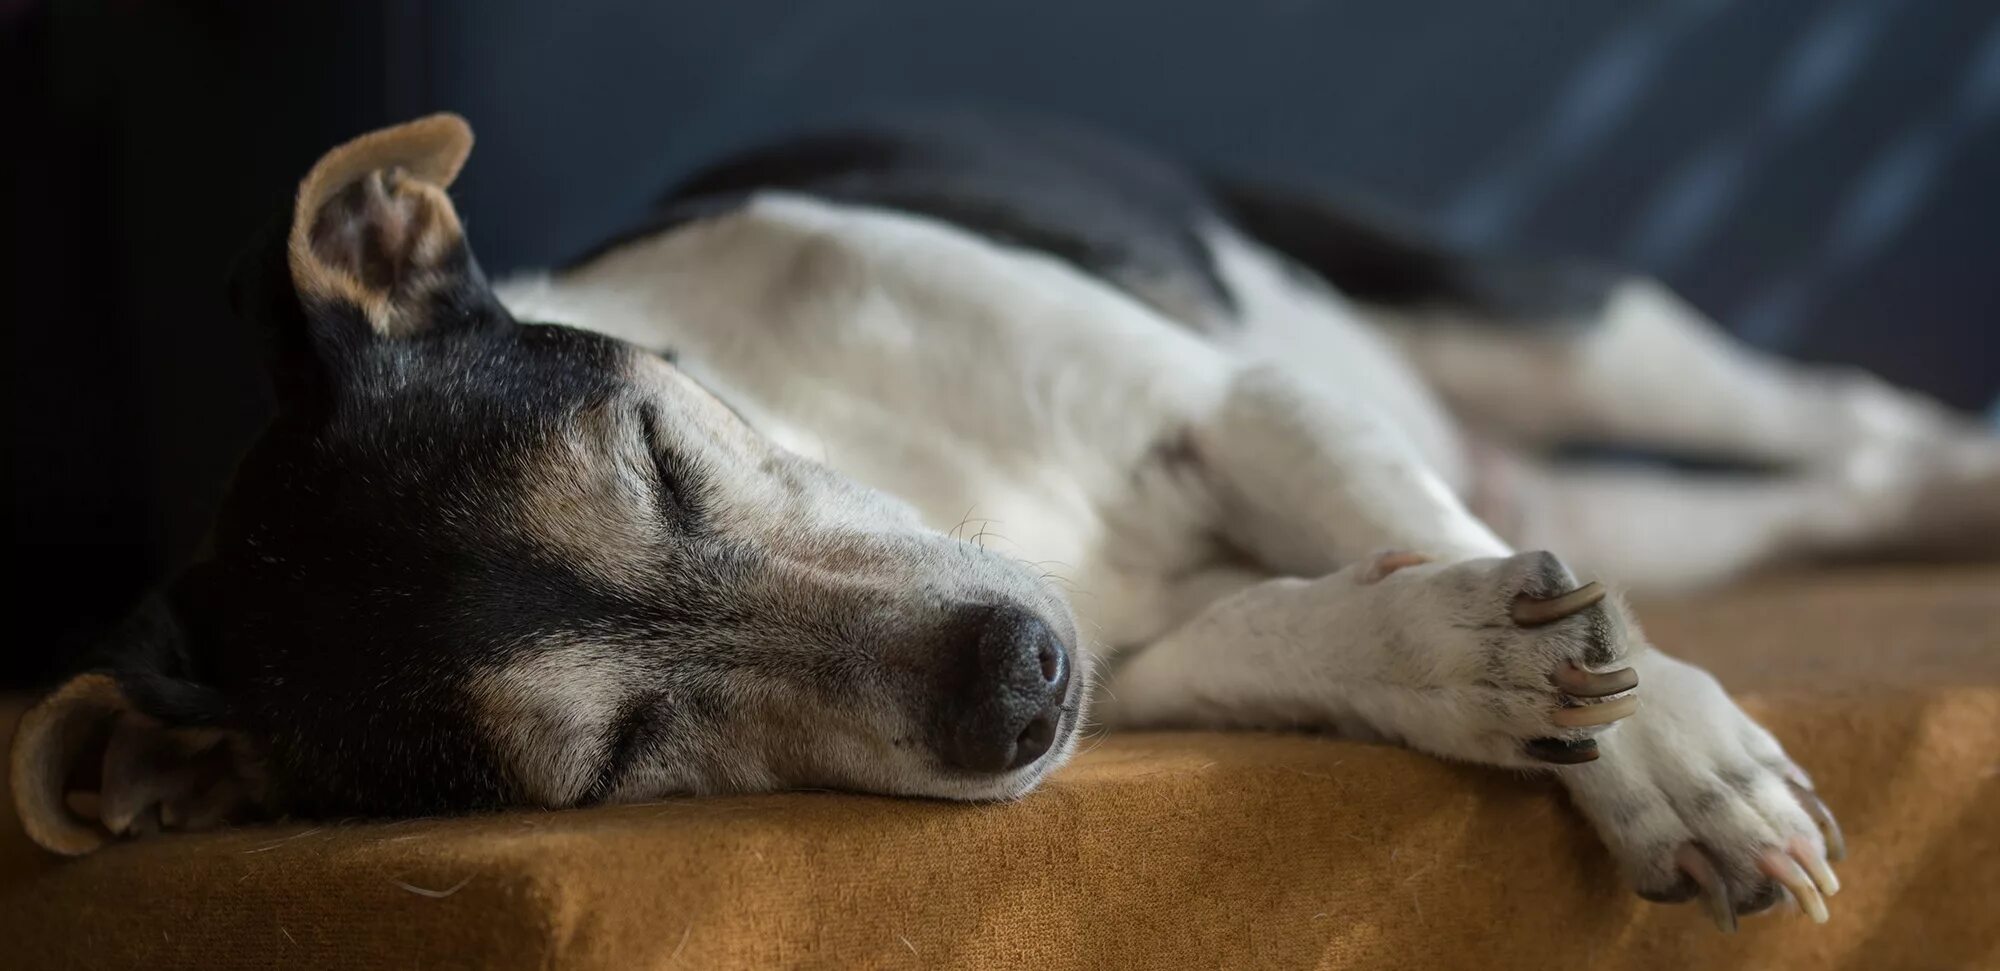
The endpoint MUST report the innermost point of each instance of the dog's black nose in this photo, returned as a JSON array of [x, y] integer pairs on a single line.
[[1009, 703]]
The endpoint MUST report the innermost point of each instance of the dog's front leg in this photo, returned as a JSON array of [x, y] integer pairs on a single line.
[[1469, 661], [1448, 658], [1464, 651], [1306, 479]]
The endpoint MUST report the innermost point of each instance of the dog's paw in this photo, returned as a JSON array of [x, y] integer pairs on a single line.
[[1527, 665], [1932, 498], [1695, 800]]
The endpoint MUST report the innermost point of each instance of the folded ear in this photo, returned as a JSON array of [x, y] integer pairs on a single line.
[[89, 766], [373, 231]]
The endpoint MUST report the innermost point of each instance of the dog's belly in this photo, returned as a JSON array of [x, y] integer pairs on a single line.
[[1008, 396]]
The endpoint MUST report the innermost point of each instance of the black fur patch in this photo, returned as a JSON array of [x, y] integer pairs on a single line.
[[1370, 258], [148, 653], [1106, 208], [364, 567], [1128, 217]]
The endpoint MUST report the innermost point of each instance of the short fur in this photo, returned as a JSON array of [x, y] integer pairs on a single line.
[[867, 452]]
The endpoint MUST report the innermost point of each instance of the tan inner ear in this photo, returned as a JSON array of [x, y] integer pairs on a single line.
[[49, 741], [372, 219], [153, 777]]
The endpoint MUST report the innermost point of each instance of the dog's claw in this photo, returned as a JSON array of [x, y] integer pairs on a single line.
[[1815, 865], [1836, 844], [1579, 683], [1599, 714], [1782, 868], [1531, 612], [1714, 893], [1560, 751]]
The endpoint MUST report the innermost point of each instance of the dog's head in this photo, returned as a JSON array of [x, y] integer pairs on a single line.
[[475, 563]]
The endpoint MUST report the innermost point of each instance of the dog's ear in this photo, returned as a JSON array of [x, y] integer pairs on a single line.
[[372, 250], [129, 752], [373, 230]]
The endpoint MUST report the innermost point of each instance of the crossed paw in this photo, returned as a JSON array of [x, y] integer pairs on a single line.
[[1522, 665], [1534, 669]]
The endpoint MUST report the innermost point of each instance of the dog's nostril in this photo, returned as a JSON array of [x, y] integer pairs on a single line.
[[1052, 661], [1036, 738]]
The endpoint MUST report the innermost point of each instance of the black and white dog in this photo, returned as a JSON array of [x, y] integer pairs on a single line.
[[874, 452]]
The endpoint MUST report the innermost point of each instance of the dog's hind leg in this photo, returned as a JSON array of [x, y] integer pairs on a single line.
[[1538, 353], [1544, 351], [1849, 465], [1643, 367], [1659, 528]]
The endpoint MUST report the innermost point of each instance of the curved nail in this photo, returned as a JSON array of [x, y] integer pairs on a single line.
[[1785, 870], [1714, 893], [1530, 612], [1808, 857], [1602, 713], [1836, 844], [1561, 752], [1576, 681]]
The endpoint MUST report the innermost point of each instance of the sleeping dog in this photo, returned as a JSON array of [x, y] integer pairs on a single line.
[[871, 454]]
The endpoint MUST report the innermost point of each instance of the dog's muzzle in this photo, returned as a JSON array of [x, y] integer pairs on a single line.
[[1007, 704]]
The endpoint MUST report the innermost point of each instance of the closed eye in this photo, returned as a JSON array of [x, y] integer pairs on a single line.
[[674, 485]]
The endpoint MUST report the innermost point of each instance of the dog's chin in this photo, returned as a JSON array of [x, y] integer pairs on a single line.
[[1029, 778], [1009, 787]]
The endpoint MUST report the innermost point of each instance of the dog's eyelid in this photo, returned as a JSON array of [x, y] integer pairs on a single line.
[[649, 428], [656, 449], [669, 468]]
